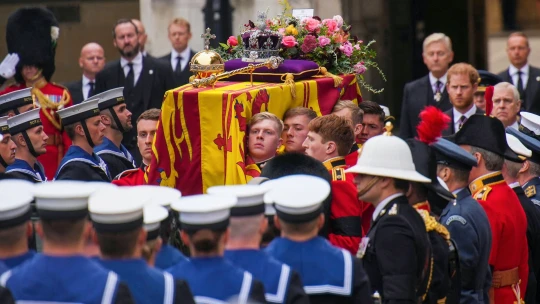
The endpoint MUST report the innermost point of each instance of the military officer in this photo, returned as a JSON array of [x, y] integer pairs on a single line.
[[27, 132], [385, 168], [329, 274], [509, 251], [64, 228], [85, 129], [121, 238], [466, 221], [513, 172], [281, 284], [117, 120], [204, 221], [529, 179], [15, 225]]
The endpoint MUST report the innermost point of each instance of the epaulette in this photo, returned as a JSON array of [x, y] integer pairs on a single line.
[[530, 191], [433, 225], [393, 210], [338, 174], [483, 194], [126, 173]]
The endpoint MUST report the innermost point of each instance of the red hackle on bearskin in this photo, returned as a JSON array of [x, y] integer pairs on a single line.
[[432, 122]]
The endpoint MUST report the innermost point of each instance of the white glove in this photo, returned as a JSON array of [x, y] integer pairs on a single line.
[[7, 67]]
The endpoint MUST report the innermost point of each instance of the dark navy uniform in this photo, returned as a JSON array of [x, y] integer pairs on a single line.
[[531, 192], [80, 281], [397, 266], [15, 261], [216, 280], [5, 296], [168, 256], [81, 166], [533, 240], [117, 159], [469, 227], [281, 284], [149, 285], [20, 169], [329, 274]]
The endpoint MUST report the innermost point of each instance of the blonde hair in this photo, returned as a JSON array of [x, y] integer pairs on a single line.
[[437, 37], [180, 22], [357, 115], [266, 116]]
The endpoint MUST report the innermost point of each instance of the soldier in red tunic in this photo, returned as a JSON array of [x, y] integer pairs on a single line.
[[32, 33], [509, 250], [329, 139]]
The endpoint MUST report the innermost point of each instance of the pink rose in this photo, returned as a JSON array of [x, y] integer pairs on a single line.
[[311, 24], [346, 48], [357, 47], [331, 24], [324, 41], [281, 30], [310, 43], [232, 41], [289, 41], [359, 68], [339, 20], [339, 37]]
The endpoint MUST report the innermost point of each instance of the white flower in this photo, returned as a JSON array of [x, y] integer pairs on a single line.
[[339, 20], [55, 32]]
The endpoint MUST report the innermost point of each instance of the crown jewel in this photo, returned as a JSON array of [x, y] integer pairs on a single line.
[[260, 43]]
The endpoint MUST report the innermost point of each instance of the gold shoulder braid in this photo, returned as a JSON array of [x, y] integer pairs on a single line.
[[530, 191], [49, 107]]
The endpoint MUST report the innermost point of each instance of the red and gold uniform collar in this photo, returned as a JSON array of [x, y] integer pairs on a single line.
[[335, 162], [422, 206], [487, 180]]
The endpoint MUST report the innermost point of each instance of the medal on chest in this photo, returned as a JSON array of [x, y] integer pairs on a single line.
[[362, 247], [438, 96]]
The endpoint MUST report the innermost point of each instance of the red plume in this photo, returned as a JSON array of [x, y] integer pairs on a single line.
[[488, 96], [432, 122]]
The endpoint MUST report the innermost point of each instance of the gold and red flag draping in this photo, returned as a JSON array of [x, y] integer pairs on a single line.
[[200, 140]]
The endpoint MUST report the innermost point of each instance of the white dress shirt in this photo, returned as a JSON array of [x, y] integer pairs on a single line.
[[383, 204], [86, 87], [433, 82], [185, 58], [524, 75], [457, 116], [137, 66]]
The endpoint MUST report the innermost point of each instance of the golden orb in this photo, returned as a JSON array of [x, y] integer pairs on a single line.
[[205, 63]]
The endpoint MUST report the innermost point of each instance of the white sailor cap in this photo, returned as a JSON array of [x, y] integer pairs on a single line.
[[79, 112], [530, 121], [4, 128], [16, 198], [110, 98], [298, 198], [24, 121], [14, 100], [153, 215], [60, 200], [204, 211], [515, 144], [117, 210], [161, 195], [250, 198]]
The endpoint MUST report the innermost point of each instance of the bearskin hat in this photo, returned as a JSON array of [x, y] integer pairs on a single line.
[[32, 34]]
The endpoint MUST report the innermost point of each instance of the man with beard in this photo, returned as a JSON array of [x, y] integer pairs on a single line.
[[83, 124], [7, 146], [117, 120], [31, 140], [462, 84], [144, 79]]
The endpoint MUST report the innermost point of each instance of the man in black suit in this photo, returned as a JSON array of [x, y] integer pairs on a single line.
[[430, 89], [462, 85], [145, 80], [180, 56], [506, 104], [92, 61], [525, 77], [142, 36]]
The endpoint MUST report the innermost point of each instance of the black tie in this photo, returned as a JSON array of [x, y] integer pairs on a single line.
[[130, 78], [91, 91], [519, 86], [438, 85], [178, 68]]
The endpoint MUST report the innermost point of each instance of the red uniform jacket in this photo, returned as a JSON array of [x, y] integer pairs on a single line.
[[508, 223], [367, 208], [345, 229], [58, 142], [132, 177]]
